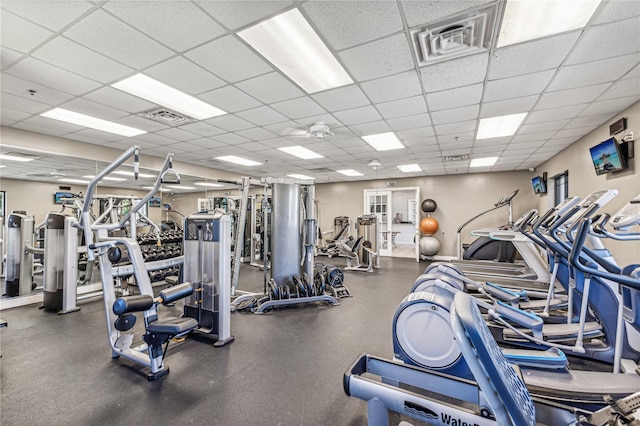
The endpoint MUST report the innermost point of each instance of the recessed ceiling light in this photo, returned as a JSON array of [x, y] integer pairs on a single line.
[[288, 42], [496, 127], [383, 141], [15, 158], [301, 152], [180, 187], [301, 177], [410, 168], [126, 173], [160, 190], [92, 122], [154, 91], [1, 166], [106, 178], [238, 160], [350, 172], [70, 180], [483, 162], [211, 184], [527, 20]]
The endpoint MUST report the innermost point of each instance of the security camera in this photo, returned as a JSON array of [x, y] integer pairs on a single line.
[[532, 169]]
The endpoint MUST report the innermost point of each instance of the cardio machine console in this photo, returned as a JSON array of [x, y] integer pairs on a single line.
[[627, 216]]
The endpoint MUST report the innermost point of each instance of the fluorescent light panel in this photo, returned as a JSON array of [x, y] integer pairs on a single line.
[[180, 187], [496, 127], [483, 162], [301, 152], [160, 190], [210, 184], [159, 93], [350, 172], [238, 160], [407, 168], [15, 158], [69, 180], [92, 122], [527, 20], [126, 173], [288, 42], [383, 141], [301, 177], [115, 179]]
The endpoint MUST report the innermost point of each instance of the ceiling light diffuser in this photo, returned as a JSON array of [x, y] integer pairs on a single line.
[[126, 173], [69, 180], [92, 122], [15, 158], [301, 152], [210, 184], [350, 172], [407, 168], [288, 42], [483, 162], [159, 93], [383, 141], [180, 187], [496, 127], [527, 20], [301, 177], [238, 160]]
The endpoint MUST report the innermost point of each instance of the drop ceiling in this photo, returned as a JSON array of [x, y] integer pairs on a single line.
[[71, 52]]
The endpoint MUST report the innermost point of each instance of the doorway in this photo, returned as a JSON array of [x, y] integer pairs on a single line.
[[398, 220]]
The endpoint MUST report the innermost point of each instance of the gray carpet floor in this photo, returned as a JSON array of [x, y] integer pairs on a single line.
[[284, 368]]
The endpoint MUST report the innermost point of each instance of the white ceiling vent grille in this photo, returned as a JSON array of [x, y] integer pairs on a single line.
[[460, 157], [22, 155], [167, 116], [457, 36]]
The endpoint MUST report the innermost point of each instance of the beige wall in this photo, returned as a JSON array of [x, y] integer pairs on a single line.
[[583, 179]]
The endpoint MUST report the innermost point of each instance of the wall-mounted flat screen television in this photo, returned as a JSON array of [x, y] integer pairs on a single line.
[[607, 157], [59, 197], [538, 185]]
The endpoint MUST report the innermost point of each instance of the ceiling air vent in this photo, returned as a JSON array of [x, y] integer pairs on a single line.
[[22, 156], [167, 116], [456, 157], [454, 37], [321, 170]]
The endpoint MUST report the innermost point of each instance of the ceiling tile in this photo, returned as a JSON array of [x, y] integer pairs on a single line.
[[597, 120], [379, 58], [262, 116], [230, 123], [621, 89], [554, 113], [591, 73], [543, 136], [13, 115], [229, 59], [359, 115], [612, 106], [607, 41], [20, 87], [231, 138], [95, 135], [402, 107], [177, 134], [56, 125], [270, 88], [547, 126], [617, 10], [73, 57], [142, 123], [634, 73], [416, 133], [184, 75], [370, 128], [256, 134], [201, 128], [571, 97], [341, 98], [229, 99], [298, 108], [234, 14], [454, 73], [329, 120], [393, 87], [155, 139], [346, 24], [8, 56], [21, 35], [455, 115], [178, 25], [111, 37], [532, 56], [84, 106], [508, 106], [454, 98], [516, 87], [48, 75], [20, 103], [118, 99], [527, 145], [449, 129], [419, 12], [575, 133], [51, 15], [410, 122]]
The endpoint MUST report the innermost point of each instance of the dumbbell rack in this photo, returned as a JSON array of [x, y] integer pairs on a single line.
[[169, 247]]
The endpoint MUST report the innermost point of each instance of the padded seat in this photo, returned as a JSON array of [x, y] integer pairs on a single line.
[[173, 326]]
